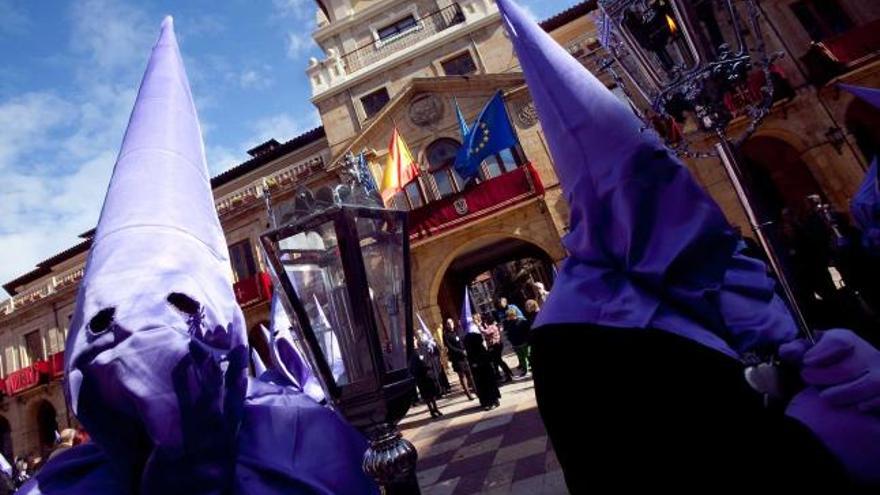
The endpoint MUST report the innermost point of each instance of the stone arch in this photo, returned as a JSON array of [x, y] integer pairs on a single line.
[[6, 439], [484, 254], [487, 238], [780, 176], [44, 416]]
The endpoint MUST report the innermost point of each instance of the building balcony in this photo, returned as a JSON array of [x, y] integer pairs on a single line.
[[840, 54], [425, 27], [27, 378], [475, 202], [254, 193], [253, 290], [347, 65]]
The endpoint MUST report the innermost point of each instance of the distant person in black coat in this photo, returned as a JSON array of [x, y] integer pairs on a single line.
[[517, 330], [481, 368], [455, 351]]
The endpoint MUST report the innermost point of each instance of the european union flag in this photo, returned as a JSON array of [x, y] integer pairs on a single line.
[[490, 134]]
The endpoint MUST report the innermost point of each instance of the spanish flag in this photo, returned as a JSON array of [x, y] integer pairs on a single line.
[[400, 170]]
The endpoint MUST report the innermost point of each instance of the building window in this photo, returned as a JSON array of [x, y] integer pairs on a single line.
[[441, 157], [374, 101], [459, 65], [397, 28], [821, 18], [242, 257], [414, 194], [10, 360], [33, 346], [502, 162]]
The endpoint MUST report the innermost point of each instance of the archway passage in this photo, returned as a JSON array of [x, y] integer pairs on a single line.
[[508, 267], [47, 425], [5, 439], [780, 178]]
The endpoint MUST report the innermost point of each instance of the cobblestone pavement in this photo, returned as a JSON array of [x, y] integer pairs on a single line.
[[469, 450]]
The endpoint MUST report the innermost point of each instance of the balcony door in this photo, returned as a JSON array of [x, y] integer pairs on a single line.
[[242, 257]]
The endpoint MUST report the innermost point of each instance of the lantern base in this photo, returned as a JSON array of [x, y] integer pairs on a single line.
[[391, 460]]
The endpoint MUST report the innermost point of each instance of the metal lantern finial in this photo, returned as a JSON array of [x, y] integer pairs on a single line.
[[703, 61]]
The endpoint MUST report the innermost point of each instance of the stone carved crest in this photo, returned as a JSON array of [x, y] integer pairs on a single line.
[[526, 115], [426, 110], [461, 206]]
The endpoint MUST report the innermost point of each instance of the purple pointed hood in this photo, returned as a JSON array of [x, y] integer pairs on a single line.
[[647, 247], [869, 95], [467, 318], [156, 356]]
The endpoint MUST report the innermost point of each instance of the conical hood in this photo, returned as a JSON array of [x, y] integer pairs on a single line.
[[157, 335], [648, 247]]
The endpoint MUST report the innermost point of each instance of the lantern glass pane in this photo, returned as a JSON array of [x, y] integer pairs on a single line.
[[313, 264], [381, 243], [656, 29], [715, 24]]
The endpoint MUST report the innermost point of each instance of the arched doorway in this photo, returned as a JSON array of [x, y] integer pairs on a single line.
[[47, 425], [492, 268], [5, 439], [863, 121], [781, 179]]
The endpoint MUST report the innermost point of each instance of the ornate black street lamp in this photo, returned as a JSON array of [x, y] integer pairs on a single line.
[[343, 265], [705, 59]]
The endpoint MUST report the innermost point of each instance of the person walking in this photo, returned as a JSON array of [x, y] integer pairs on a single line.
[[428, 389], [457, 355], [482, 370], [517, 329], [492, 336]]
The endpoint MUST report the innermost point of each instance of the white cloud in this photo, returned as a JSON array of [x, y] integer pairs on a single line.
[[111, 34], [282, 127], [221, 158], [297, 9], [298, 44], [57, 150], [255, 79]]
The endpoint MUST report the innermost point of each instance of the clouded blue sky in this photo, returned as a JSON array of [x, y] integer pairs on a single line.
[[69, 72]]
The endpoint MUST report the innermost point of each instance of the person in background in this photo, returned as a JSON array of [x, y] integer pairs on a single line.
[[482, 369], [517, 329], [532, 309], [65, 441], [427, 387], [492, 336], [81, 437], [501, 307], [541, 291], [458, 357]]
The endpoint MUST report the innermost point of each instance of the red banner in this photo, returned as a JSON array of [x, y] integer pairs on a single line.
[[23, 379], [475, 202], [856, 43], [253, 290], [56, 364]]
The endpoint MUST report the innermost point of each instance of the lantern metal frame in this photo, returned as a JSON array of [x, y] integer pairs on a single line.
[[377, 401], [714, 68]]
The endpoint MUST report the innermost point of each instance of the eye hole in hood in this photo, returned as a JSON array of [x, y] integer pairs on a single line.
[[102, 321], [184, 303]]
